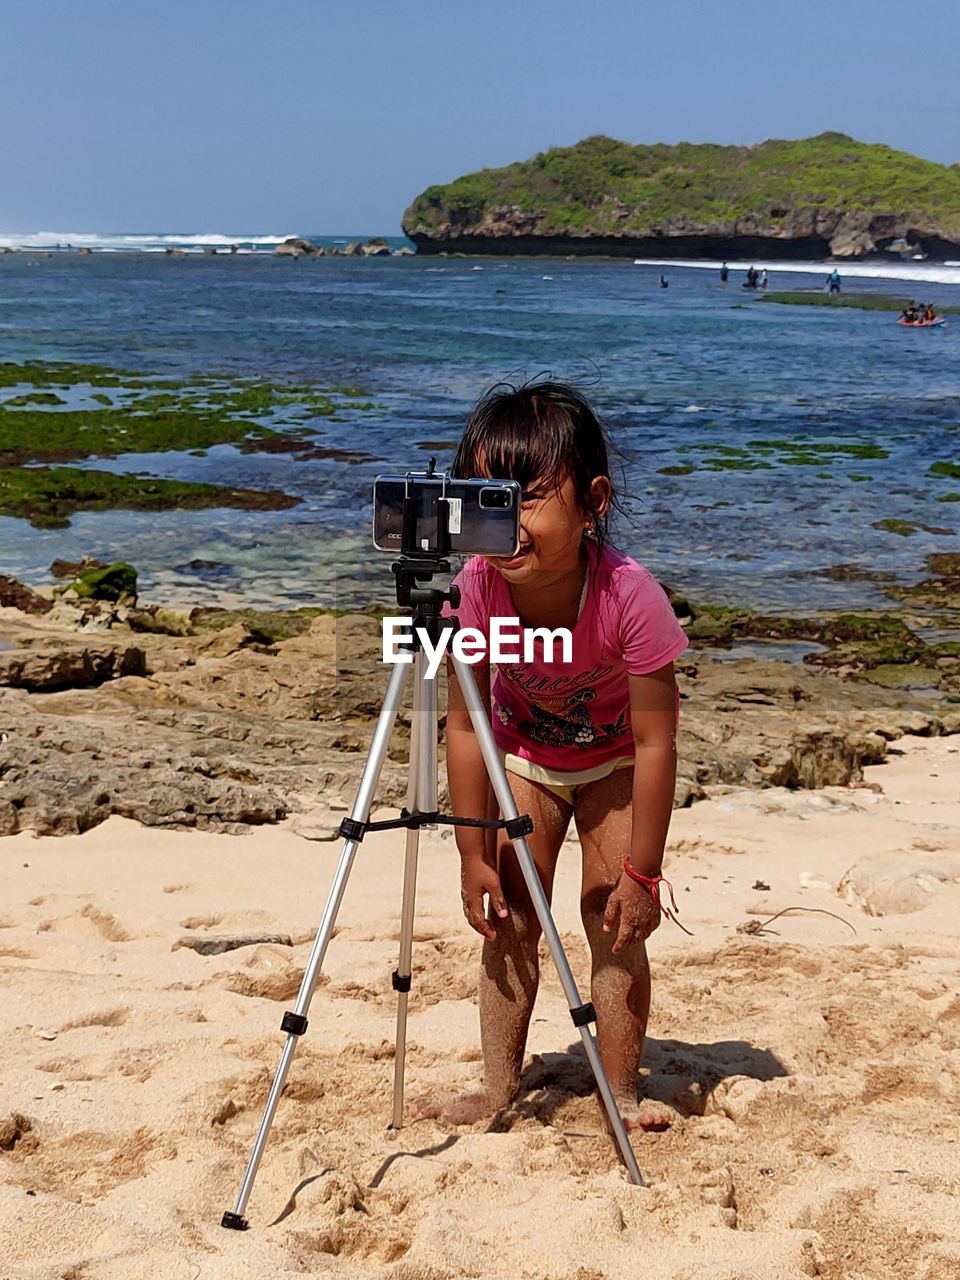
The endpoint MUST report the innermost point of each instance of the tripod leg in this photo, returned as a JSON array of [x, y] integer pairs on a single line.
[[421, 796], [581, 1014], [295, 1023]]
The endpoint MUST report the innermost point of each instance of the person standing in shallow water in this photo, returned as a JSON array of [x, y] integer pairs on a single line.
[[592, 740], [724, 273]]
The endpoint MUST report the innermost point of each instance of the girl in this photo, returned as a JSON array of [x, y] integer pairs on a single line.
[[592, 739]]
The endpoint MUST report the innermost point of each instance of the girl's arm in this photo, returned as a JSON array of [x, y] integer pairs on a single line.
[[471, 796], [653, 715], [631, 912]]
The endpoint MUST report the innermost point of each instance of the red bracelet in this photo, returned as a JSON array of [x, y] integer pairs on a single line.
[[652, 884]]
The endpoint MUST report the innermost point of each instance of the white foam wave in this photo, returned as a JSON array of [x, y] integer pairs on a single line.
[[143, 242], [930, 273]]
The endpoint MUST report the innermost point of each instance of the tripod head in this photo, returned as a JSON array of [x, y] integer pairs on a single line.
[[418, 565]]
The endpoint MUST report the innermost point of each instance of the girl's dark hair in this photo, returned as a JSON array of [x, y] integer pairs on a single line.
[[538, 431]]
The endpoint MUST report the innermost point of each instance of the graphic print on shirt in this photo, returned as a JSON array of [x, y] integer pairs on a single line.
[[561, 717]]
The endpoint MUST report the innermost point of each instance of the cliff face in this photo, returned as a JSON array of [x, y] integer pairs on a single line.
[[821, 197]]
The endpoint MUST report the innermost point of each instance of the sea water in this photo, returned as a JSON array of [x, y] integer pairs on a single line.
[[737, 422]]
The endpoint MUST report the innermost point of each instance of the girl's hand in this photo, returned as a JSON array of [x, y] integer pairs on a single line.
[[478, 877], [632, 912]]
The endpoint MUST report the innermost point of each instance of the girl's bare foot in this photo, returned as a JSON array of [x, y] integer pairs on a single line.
[[462, 1108]]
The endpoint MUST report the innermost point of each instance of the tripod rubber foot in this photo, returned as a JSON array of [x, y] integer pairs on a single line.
[[235, 1221]]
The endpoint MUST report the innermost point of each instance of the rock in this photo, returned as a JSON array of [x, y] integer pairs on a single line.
[[852, 237], [220, 644], [81, 665], [210, 944], [295, 247], [13, 1126], [353, 250], [890, 886], [113, 582], [375, 247], [173, 252], [14, 595], [70, 568], [210, 251], [9, 819], [235, 718]]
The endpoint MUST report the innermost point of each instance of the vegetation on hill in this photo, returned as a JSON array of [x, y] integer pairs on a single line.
[[605, 187]]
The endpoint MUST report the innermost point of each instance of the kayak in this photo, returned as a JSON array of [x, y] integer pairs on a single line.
[[922, 324]]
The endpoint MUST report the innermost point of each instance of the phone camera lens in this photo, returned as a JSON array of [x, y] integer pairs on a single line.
[[495, 499]]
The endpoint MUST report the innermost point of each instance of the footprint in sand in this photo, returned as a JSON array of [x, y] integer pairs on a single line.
[[88, 919], [347, 1221], [200, 922], [98, 1018]]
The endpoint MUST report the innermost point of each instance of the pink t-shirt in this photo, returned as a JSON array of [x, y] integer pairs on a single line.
[[573, 715]]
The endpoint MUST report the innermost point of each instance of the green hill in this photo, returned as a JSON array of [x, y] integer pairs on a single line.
[[815, 197]]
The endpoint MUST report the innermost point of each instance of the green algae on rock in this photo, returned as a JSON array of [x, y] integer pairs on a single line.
[[854, 644], [903, 527], [158, 415], [39, 436], [856, 301], [147, 415], [115, 582], [757, 455], [941, 589], [48, 496]]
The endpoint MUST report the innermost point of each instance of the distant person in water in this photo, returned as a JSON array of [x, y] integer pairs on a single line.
[[664, 282], [752, 278], [764, 278], [909, 313], [724, 273], [929, 313], [833, 281]]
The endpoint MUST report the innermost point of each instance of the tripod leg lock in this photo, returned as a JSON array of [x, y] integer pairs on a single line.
[[401, 982], [350, 829], [584, 1014], [294, 1024], [519, 826]]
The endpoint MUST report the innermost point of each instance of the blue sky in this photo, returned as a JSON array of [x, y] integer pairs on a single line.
[[242, 117]]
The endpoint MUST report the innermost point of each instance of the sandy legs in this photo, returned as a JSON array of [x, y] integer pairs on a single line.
[[510, 966], [620, 985]]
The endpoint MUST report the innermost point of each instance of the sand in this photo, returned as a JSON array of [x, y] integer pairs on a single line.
[[814, 1070]]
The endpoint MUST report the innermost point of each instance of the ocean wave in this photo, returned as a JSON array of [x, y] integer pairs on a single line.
[[928, 273], [146, 241]]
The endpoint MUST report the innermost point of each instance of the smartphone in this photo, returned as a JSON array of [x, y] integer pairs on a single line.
[[483, 516]]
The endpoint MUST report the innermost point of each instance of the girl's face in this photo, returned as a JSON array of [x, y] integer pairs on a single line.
[[552, 525]]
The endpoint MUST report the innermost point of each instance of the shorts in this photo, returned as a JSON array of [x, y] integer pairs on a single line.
[[560, 782]]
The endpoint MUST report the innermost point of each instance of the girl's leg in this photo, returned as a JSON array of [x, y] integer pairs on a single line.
[[509, 972], [620, 985]]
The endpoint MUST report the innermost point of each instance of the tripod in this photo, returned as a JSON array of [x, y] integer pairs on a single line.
[[421, 811]]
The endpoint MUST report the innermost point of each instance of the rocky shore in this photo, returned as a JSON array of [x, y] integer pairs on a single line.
[[222, 721]]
